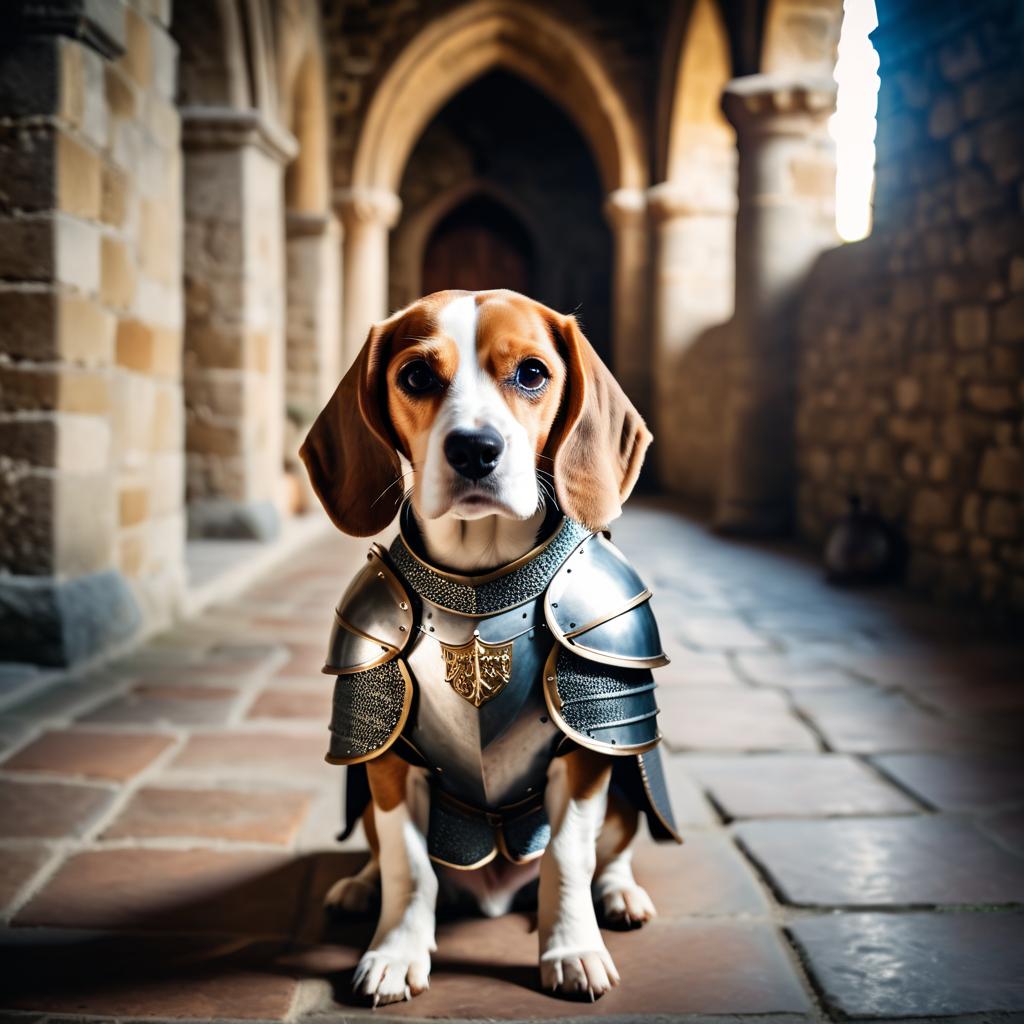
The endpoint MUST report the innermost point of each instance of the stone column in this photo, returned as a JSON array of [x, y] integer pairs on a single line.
[[785, 218], [234, 321], [626, 210], [693, 231], [367, 215]]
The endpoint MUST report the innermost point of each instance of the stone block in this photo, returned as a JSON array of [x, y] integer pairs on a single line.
[[27, 249], [78, 178], [944, 117], [121, 93], [223, 518], [1002, 519], [133, 505], [31, 77], [117, 274], [138, 57], [159, 248], [970, 326], [1009, 317], [114, 193], [1002, 471], [50, 622], [908, 393], [77, 253], [164, 53], [992, 398], [931, 508], [27, 169], [135, 345]]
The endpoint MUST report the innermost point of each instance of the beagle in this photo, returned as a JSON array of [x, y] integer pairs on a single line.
[[504, 423]]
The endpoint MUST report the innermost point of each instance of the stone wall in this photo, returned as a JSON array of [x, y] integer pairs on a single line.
[[910, 376], [90, 310]]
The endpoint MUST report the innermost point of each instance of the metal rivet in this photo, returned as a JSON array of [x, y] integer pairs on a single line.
[[476, 632], [401, 629], [380, 575], [403, 606], [572, 625], [544, 719], [555, 605], [568, 570], [431, 628], [551, 679], [524, 615]]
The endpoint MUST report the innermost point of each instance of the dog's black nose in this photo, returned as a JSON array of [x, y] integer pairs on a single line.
[[473, 453]]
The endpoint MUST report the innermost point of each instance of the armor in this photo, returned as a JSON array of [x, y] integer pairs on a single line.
[[484, 679]]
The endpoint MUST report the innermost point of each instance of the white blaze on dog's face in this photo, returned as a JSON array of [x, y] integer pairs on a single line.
[[474, 383]]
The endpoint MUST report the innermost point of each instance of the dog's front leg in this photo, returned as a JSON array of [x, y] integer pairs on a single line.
[[573, 958], [397, 964]]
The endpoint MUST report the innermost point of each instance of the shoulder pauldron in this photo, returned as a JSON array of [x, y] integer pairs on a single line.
[[597, 680]]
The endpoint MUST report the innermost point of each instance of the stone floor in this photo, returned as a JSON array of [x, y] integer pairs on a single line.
[[847, 766]]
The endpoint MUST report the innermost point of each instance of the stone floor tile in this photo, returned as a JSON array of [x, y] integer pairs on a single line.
[[923, 860], [17, 865], [1007, 827], [147, 977], [270, 817], [246, 754], [706, 876], [169, 704], [959, 781], [971, 697], [307, 704], [172, 890], [688, 802], [97, 755], [865, 720], [719, 633], [49, 810], [305, 659], [694, 667], [487, 969], [795, 786], [730, 718], [791, 670], [915, 965]]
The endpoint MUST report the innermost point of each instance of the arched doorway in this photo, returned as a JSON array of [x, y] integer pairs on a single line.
[[478, 245], [502, 189]]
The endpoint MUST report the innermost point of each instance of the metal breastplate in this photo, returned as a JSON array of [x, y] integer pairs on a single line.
[[481, 678]]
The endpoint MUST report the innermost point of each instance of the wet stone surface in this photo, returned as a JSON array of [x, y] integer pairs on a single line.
[[167, 821]]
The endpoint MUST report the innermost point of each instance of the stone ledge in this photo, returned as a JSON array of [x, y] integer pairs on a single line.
[[230, 128], [96, 23]]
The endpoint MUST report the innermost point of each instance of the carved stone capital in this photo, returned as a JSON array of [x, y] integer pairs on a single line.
[[626, 207], [229, 128], [776, 105], [361, 206], [671, 200]]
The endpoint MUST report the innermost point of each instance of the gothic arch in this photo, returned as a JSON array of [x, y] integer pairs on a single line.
[[454, 50]]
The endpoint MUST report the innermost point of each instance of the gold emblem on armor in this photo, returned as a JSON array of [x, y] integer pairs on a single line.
[[477, 671]]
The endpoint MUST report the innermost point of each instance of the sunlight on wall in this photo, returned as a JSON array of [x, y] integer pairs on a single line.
[[853, 124]]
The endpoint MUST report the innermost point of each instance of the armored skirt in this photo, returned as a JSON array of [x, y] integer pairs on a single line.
[[482, 680]]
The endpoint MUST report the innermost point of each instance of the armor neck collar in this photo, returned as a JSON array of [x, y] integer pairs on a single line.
[[505, 587]]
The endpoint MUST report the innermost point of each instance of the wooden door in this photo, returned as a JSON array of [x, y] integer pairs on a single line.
[[478, 245]]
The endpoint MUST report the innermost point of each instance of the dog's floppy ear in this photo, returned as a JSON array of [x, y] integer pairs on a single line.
[[599, 443], [349, 453]]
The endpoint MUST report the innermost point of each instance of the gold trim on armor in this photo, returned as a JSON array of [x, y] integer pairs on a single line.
[[395, 733], [554, 704], [466, 867], [644, 595]]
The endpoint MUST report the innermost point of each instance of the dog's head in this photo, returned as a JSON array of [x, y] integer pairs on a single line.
[[479, 391]]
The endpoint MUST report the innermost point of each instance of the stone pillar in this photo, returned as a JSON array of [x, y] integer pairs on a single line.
[[785, 218], [693, 249], [90, 328], [234, 321], [313, 319], [367, 216], [626, 210]]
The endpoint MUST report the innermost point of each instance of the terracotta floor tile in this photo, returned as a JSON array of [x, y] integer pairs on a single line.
[[241, 754], [17, 866], [114, 756], [168, 703], [302, 704], [878, 861], [959, 781], [173, 890], [148, 976], [916, 965], [488, 969], [272, 817], [795, 785], [49, 810], [305, 659], [729, 718]]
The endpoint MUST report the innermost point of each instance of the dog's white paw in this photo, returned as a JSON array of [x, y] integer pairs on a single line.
[[352, 896], [627, 907], [384, 977], [578, 974]]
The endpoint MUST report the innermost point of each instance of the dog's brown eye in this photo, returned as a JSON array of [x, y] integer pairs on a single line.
[[417, 378], [531, 375]]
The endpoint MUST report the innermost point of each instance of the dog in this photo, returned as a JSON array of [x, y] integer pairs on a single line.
[[515, 435]]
